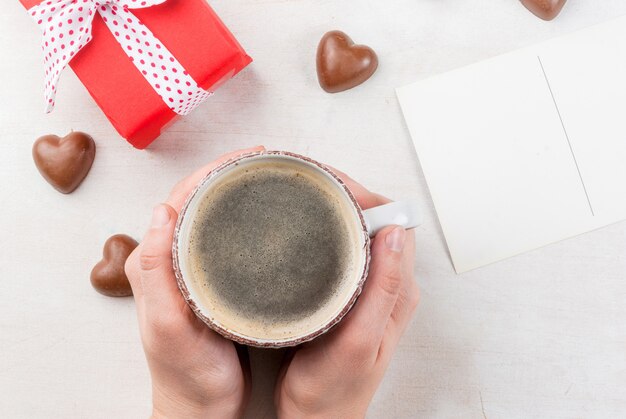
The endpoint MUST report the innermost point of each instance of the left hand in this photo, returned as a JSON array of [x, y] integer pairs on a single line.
[[195, 371]]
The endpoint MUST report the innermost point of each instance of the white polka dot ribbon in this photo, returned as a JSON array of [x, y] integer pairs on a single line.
[[66, 26]]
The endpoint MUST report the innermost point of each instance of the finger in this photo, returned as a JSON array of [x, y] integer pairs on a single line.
[[180, 192], [288, 356], [401, 317], [131, 268], [156, 276], [371, 313], [407, 302], [365, 198]]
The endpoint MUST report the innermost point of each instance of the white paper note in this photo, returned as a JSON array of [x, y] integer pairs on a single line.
[[525, 149]]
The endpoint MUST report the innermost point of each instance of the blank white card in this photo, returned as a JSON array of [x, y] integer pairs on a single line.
[[527, 148]]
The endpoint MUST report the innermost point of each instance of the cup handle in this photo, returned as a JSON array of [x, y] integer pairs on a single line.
[[402, 213]]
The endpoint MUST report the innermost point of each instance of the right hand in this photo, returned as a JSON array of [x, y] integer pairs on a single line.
[[336, 375]]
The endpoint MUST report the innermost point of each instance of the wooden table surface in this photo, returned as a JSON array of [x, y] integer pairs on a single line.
[[540, 335]]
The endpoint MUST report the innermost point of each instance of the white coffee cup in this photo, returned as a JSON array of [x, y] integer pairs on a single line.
[[366, 222]]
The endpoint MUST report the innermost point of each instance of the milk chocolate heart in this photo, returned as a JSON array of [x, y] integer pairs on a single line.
[[341, 65], [108, 276], [544, 9], [64, 162]]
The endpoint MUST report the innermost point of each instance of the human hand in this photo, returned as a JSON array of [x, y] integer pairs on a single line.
[[195, 371], [336, 375]]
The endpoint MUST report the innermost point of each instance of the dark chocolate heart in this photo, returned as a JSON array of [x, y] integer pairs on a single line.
[[108, 276], [64, 162], [341, 65], [544, 9]]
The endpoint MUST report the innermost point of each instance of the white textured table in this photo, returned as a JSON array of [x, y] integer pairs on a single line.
[[540, 335]]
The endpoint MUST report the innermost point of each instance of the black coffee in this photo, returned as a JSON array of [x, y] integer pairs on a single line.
[[271, 243]]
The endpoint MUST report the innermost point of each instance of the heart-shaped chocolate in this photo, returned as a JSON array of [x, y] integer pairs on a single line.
[[544, 9], [108, 276], [341, 65], [64, 162]]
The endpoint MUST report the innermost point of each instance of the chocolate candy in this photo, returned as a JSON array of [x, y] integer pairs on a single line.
[[64, 162], [544, 9], [108, 276], [341, 65]]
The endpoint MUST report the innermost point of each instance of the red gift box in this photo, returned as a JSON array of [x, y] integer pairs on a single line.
[[194, 34]]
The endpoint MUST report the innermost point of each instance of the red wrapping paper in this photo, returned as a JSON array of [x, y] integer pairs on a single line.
[[194, 34]]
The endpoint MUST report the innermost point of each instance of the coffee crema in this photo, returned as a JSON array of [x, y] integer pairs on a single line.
[[272, 250]]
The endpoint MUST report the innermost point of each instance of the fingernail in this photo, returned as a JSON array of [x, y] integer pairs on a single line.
[[160, 216], [395, 239]]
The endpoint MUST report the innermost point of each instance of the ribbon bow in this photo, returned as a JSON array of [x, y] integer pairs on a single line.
[[66, 26]]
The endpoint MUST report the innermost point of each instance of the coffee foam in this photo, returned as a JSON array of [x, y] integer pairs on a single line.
[[282, 308]]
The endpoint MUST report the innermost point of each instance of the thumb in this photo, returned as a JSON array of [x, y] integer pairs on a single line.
[[155, 258], [373, 309]]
